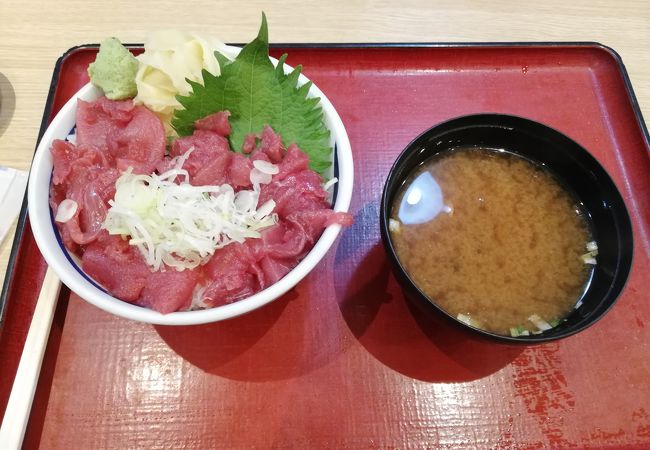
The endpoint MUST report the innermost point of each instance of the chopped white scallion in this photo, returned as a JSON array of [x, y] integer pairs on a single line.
[[592, 252], [330, 183], [519, 331], [245, 200], [589, 259], [464, 318], [264, 210], [266, 167], [540, 323], [197, 297], [66, 210], [175, 223], [258, 177], [394, 225]]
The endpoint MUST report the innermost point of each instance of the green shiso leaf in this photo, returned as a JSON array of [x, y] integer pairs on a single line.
[[257, 94]]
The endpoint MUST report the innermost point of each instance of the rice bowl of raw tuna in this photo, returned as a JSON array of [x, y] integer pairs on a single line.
[[274, 278]]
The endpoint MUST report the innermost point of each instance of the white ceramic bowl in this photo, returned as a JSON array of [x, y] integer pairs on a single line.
[[71, 275]]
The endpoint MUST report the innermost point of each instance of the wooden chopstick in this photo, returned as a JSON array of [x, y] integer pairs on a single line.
[[19, 406]]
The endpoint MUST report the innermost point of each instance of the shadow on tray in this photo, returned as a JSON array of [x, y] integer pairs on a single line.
[[222, 348], [282, 340], [416, 343]]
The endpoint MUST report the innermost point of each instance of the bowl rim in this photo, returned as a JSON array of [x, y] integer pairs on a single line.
[[621, 226], [57, 257]]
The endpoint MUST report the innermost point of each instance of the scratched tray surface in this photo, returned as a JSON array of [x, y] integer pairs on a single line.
[[343, 360]]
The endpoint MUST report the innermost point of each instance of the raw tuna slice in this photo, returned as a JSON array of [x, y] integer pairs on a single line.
[[117, 266], [91, 188], [271, 144], [131, 134], [82, 174], [300, 191], [97, 120], [249, 143], [67, 156], [294, 161], [234, 257], [240, 171], [209, 171], [170, 290], [234, 274], [229, 288], [268, 143], [284, 240], [212, 161], [275, 269], [315, 221], [85, 226], [217, 122]]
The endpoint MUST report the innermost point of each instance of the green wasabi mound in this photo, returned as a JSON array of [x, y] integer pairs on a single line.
[[114, 70]]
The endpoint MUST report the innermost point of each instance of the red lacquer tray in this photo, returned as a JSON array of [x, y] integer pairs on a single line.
[[343, 361]]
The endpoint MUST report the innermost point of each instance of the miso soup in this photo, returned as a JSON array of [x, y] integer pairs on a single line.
[[493, 239]]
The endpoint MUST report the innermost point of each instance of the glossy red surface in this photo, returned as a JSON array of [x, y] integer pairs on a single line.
[[343, 360]]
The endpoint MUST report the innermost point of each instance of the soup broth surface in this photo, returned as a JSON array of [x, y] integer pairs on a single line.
[[491, 236]]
